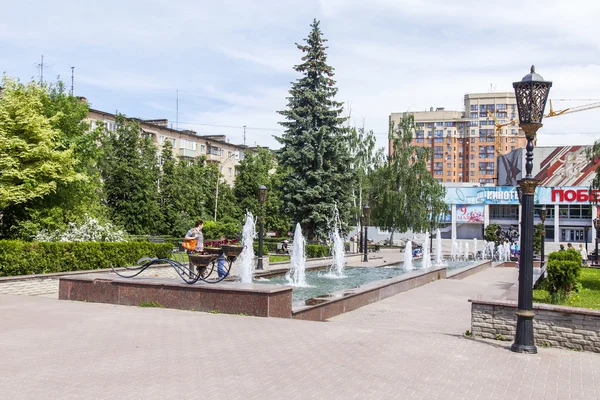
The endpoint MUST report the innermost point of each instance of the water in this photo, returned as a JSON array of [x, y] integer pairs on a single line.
[[439, 261], [426, 255], [318, 284], [246, 258], [455, 251], [408, 265], [474, 248], [338, 250], [466, 255], [296, 275]]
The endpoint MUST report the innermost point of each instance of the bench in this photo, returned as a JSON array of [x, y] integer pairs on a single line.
[[155, 239]]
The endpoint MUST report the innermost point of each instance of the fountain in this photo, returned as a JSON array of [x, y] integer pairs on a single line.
[[466, 255], [474, 249], [507, 251], [408, 265], [454, 251], [246, 258], [426, 255], [338, 251], [296, 275], [439, 261]]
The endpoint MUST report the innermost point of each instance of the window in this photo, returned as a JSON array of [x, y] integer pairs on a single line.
[[474, 115], [512, 148], [512, 140], [230, 171], [472, 173], [472, 165], [439, 132], [472, 140], [504, 211], [449, 173], [202, 149], [473, 107], [173, 141], [472, 148], [500, 106], [162, 140], [439, 124], [448, 123], [449, 165], [187, 144], [472, 156], [460, 165]]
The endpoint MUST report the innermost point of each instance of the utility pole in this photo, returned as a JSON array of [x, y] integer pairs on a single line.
[[244, 135], [177, 110], [72, 80]]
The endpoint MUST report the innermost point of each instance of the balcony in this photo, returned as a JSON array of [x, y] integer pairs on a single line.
[[187, 153]]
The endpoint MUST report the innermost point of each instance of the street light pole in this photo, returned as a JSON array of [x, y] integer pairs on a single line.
[[262, 197], [366, 245], [543, 215], [218, 179], [360, 234], [531, 94], [586, 231], [597, 226]]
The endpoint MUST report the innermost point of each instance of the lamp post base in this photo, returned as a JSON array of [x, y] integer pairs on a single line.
[[259, 263], [524, 340]]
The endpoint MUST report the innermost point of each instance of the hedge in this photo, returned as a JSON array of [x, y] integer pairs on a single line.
[[312, 250], [26, 258]]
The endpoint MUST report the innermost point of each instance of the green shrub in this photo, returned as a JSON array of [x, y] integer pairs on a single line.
[[25, 258], [537, 237], [490, 233], [563, 269], [316, 251], [214, 230]]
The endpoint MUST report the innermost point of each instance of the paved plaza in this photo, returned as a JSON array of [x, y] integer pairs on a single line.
[[409, 346]]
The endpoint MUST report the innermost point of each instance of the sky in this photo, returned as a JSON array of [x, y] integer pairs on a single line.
[[231, 62]]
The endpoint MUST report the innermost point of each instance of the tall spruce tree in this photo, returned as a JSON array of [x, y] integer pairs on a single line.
[[315, 143]]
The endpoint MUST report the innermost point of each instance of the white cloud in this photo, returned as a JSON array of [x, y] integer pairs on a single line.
[[233, 60]]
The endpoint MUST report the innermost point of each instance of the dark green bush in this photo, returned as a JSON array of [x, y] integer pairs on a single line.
[[26, 258], [316, 251], [563, 269]]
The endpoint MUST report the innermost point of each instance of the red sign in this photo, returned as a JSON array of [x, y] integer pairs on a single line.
[[580, 195]]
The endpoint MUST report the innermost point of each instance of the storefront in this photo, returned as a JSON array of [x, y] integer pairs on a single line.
[[570, 213]]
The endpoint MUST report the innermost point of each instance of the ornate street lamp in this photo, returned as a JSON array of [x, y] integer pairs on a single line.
[[366, 212], [597, 226], [531, 94], [543, 215], [262, 197]]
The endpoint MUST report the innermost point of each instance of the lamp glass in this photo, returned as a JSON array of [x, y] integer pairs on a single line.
[[531, 94], [262, 194]]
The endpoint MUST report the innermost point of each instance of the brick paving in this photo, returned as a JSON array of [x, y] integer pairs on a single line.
[[410, 346]]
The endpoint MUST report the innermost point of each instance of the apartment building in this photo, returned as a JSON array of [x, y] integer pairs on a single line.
[[464, 143], [187, 144]]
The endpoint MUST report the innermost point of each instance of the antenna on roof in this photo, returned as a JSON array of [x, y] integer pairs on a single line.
[[244, 135], [41, 66], [177, 110], [72, 79]]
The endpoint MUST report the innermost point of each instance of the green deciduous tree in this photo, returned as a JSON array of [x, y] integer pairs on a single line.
[[130, 173], [256, 169], [404, 194], [315, 147], [32, 162]]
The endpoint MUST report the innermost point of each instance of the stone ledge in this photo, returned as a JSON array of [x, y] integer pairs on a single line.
[[231, 298]]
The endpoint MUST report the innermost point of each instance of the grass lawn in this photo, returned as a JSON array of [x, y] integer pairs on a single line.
[[278, 258], [587, 297]]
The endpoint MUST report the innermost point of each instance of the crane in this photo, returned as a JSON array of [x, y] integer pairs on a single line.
[[498, 133], [570, 110]]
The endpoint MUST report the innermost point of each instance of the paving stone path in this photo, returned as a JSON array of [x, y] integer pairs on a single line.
[[410, 346]]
